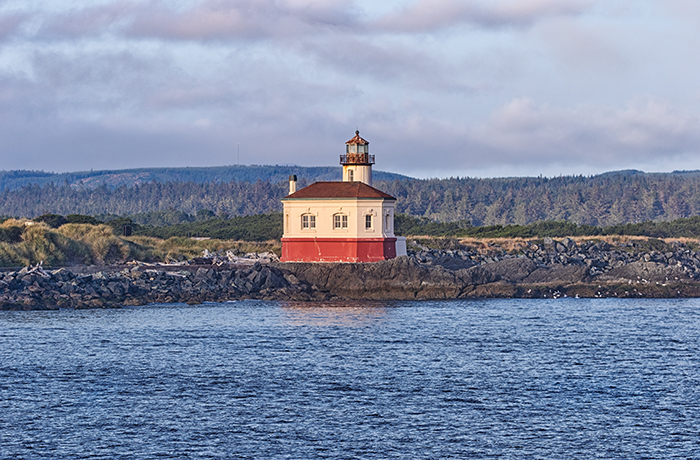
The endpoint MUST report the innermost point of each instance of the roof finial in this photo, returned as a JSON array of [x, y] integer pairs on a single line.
[[357, 132]]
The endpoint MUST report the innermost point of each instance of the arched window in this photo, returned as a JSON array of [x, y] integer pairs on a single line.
[[308, 221], [340, 221]]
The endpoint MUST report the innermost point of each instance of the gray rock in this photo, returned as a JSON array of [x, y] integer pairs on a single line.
[[399, 278], [570, 244], [512, 270], [558, 274], [646, 272], [453, 263], [204, 274], [475, 276]]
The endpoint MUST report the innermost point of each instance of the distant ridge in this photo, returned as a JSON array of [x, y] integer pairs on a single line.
[[693, 173], [10, 180], [623, 172]]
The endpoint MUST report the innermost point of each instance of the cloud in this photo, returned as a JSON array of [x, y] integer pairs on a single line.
[[97, 83], [264, 19], [582, 48], [525, 137], [86, 22], [164, 78], [204, 20], [432, 15], [90, 108], [642, 131], [210, 20], [328, 36], [685, 9], [387, 63], [10, 24]]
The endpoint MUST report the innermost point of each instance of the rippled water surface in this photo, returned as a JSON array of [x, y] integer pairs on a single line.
[[564, 378]]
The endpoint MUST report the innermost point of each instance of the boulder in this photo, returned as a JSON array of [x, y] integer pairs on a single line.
[[512, 270], [453, 263], [570, 244], [475, 276]]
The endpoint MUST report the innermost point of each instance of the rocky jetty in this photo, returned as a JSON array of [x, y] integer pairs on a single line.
[[39, 289], [545, 269], [533, 269], [645, 261]]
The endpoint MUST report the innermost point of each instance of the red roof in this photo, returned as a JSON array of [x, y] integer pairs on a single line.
[[339, 190], [357, 140]]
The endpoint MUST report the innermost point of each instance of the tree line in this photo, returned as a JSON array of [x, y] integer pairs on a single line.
[[602, 201], [264, 227]]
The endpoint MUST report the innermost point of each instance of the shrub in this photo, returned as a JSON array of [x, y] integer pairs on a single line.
[[117, 225], [81, 219], [52, 220], [11, 233]]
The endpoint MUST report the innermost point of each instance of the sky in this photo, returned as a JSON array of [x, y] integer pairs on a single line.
[[440, 88]]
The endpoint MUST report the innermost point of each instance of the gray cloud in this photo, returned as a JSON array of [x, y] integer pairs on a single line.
[[100, 109], [525, 137], [265, 19], [202, 21], [330, 32], [88, 21], [10, 24], [388, 62], [641, 132], [431, 15], [125, 84]]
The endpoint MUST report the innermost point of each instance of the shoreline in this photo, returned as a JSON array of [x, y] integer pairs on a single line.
[[403, 278]]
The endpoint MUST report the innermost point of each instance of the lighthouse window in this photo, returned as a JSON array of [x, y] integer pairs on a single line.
[[340, 221], [351, 175], [308, 221], [368, 221]]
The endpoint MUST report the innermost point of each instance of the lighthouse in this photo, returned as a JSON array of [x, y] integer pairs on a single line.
[[344, 221]]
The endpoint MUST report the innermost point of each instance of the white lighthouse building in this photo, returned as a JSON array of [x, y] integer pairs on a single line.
[[347, 221]]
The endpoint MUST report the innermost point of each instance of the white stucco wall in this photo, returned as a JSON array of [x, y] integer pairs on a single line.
[[382, 212]]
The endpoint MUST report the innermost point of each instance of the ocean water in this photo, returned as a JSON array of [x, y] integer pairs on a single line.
[[530, 379]]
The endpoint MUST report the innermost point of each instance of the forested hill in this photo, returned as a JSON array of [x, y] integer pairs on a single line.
[[604, 200], [129, 177]]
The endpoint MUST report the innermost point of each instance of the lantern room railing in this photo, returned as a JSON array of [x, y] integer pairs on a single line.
[[357, 159]]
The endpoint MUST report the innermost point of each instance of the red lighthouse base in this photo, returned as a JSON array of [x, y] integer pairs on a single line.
[[338, 249]]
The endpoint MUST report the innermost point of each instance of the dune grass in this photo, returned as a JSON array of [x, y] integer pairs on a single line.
[[24, 242]]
